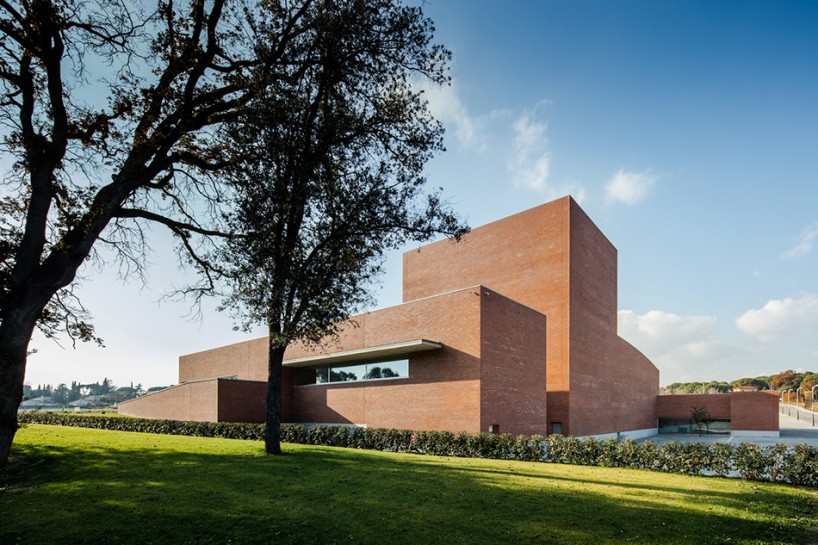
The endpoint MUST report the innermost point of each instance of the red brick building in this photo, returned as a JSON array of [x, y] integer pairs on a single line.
[[512, 329]]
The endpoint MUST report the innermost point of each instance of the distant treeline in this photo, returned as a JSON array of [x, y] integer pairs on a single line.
[[785, 380], [63, 393]]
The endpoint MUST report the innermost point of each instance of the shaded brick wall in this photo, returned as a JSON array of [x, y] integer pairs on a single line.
[[613, 385], [593, 347], [202, 401], [443, 388], [512, 366], [247, 360], [242, 401]]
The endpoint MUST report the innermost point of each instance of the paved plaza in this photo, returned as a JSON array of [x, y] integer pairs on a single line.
[[796, 428]]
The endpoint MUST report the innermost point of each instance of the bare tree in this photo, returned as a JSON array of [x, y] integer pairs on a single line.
[[701, 417], [107, 112]]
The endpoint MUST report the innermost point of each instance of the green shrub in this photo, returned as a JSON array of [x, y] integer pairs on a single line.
[[801, 465], [750, 462], [721, 458], [589, 449], [628, 454], [695, 458], [649, 456], [776, 458], [797, 465], [609, 454], [670, 457]]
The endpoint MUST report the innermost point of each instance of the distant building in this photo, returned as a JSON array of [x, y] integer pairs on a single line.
[[745, 388], [513, 329], [39, 403]]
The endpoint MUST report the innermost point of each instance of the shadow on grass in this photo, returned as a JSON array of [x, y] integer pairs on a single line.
[[103, 494]]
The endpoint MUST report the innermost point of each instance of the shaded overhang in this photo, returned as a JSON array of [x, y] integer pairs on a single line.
[[366, 354]]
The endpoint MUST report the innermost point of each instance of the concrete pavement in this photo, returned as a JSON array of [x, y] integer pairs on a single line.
[[794, 431]]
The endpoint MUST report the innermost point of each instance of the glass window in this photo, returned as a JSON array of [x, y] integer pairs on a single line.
[[354, 373], [347, 373], [388, 369]]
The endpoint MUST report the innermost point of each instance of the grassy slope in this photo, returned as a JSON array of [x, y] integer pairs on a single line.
[[71, 485]]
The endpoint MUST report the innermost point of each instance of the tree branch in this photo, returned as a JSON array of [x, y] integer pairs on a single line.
[[172, 224]]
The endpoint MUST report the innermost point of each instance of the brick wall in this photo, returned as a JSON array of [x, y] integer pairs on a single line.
[[196, 401], [524, 257], [552, 259], [247, 360], [202, 401], [242, 401], [512, 366], [679, 406], [754, 411], [443, 388], [747, 411], [593, 350], [555, 260]]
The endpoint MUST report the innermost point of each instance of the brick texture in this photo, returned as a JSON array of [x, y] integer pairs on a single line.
[[512, 366], [526, 310], [754, 411], [555, 260], [747, 411], [442, 391], [247, 360], [202, 401], [679, 406]]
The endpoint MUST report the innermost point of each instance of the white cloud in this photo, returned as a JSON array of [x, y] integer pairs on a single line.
[[804, 244], [682, 347], [698, 348], [629, 187], [779, 317], [575, 190], [530, 163], [446, 105], [664, 327]]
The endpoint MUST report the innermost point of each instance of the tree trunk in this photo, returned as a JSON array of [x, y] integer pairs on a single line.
[[14, 340], [272, 430]]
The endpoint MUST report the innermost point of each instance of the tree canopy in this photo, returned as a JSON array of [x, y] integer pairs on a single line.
[[108, 112], [326, 174]]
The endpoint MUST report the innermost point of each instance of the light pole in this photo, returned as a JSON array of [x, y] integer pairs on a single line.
[[812, 394], [789, 411]]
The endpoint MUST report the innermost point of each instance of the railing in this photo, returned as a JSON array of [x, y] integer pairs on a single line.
[[799, 413]]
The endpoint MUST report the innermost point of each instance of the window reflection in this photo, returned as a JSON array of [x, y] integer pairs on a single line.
[[354, 372]]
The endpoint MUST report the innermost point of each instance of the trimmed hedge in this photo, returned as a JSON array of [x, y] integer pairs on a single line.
[[777, 463]]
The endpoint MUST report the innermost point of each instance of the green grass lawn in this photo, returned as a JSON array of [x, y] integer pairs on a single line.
[[72, 485]]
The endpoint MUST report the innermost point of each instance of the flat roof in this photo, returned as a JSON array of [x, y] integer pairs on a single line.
[[369, 353]]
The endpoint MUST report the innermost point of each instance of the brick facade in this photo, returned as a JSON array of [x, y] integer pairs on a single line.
[[490, 370], [211, 400], [555, 260], [747, 411], [525, 310]]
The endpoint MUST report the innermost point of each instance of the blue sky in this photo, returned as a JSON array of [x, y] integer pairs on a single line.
[[688, 131]]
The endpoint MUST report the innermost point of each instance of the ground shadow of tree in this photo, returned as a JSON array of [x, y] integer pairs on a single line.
[[323, 496]]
